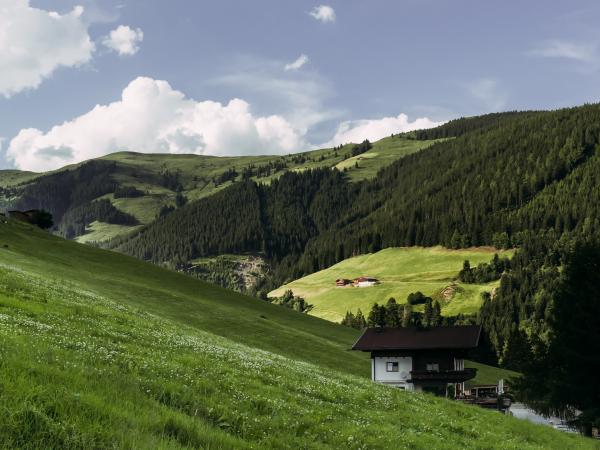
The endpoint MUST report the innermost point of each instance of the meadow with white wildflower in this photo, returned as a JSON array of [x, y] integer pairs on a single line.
[[80, 368]]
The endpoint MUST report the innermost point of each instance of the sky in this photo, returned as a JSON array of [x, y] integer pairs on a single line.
[[84, 78]]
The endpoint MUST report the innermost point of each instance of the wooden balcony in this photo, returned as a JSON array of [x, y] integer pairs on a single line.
[[449, 376]]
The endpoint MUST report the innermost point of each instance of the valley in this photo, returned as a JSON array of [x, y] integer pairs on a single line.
[[299, 225], [411, 223], [144, 357]]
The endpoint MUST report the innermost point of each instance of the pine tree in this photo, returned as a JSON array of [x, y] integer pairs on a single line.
[[427, 313], [348, 320], [359, 320], [436, 315], [377, 316], [407, 316], [392, 316]]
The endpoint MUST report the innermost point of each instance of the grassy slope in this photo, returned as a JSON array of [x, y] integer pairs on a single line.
[[181, 298], [401, 271], [9, 178], [136, 363], [383, 153]]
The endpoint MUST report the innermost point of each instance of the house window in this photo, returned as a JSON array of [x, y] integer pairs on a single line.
[[392, 367], [433, 367]]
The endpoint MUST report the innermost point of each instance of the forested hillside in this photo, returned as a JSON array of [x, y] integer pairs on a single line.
[[140, 188], [482, 188], [277, 220], [502, 176]]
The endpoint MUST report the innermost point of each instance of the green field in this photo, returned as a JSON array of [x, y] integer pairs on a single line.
[[401, 272], [9, 178], [383, 153], [101, 232], [98, 350]]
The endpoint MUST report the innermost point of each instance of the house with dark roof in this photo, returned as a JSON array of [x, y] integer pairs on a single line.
[[24, 216], [420, 359]]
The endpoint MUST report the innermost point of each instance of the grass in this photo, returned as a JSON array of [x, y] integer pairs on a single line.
[[401, 271], [488, 375], [383, 153], [101, 232], [180, 298], [98, 350], [10, 178]]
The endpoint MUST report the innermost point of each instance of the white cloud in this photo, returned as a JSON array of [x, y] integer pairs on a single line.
[[488, 92], [152, 117], [302, 60], [124, 40], [35, 42], [323, 13], [375, 129], [583, 52]]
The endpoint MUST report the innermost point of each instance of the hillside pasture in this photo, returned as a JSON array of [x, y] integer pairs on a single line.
[[401, 271]]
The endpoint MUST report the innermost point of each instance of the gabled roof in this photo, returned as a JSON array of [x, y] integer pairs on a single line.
[[457, 337]]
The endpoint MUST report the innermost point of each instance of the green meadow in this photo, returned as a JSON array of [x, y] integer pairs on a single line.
[[384, 152], [9, 178], [98, 350], [401, 271]]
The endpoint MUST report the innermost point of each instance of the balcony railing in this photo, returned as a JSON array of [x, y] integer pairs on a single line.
[[451, 376]]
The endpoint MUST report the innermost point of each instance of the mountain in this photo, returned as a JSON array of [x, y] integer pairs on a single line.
[[102, 350], [489, 180], [135, 188]]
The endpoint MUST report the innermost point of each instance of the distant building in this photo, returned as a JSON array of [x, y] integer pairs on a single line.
[[340, 282], [23, 216], [428, 359], [488, 396], [365, 281]]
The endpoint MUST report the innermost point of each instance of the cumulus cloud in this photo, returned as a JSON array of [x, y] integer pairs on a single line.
[[152, 117], [295, 65], [124, 40], [323, 13], [375, 129], [35, 42]]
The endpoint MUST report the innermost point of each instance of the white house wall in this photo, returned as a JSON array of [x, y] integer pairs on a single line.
[[381, 375]]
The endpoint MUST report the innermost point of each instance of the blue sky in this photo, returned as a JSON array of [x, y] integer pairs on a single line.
[[365, 64]]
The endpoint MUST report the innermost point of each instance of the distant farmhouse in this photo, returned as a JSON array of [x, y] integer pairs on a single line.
[[41, 218], [23, 216], [357, 282], [341, 282], [365, 281], [429, 359]]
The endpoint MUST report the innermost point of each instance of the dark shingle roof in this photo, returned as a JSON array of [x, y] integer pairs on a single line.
[[458, 337]]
